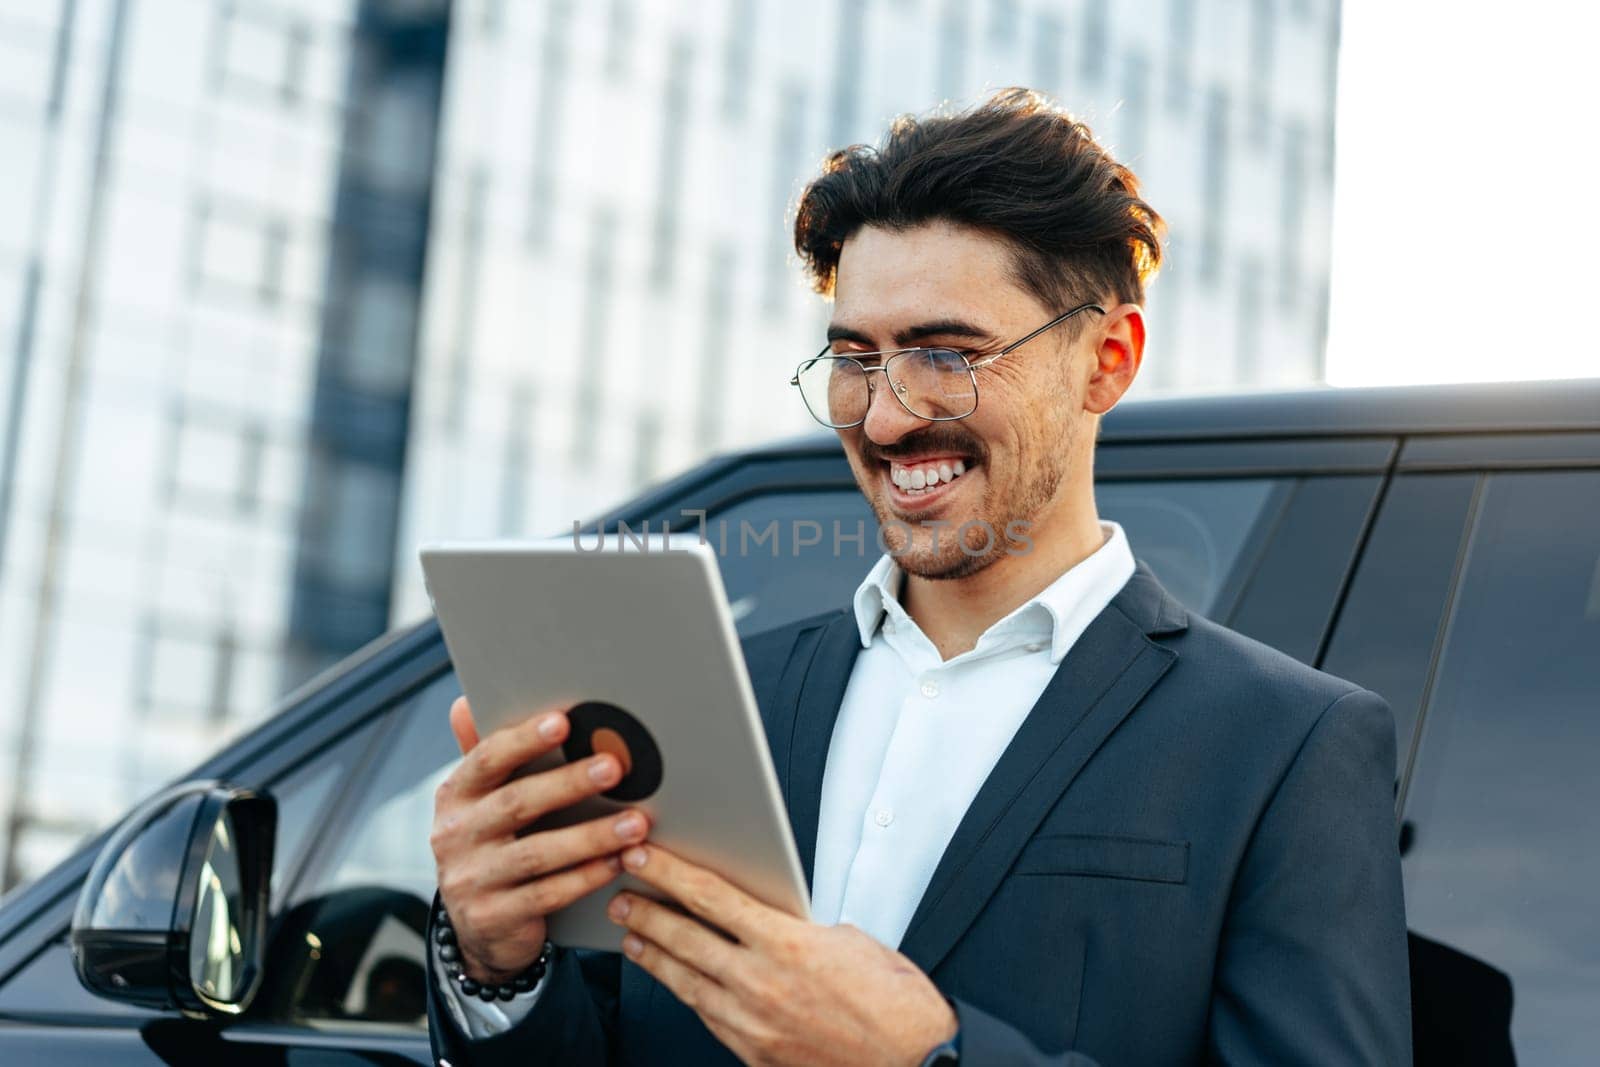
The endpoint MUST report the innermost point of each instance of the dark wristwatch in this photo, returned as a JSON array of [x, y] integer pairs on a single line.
[[945, 1055], [949, 1053]]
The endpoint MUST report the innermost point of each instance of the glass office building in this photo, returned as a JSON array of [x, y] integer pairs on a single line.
[[288, 287], [612, 291], [196, 414]]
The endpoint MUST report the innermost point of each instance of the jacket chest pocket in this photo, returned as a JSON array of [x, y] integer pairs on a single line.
[[1140, 859]]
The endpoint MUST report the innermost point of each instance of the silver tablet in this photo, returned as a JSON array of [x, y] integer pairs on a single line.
[[641, 642]]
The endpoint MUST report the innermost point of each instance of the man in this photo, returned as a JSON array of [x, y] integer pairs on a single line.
[[1049, 816]]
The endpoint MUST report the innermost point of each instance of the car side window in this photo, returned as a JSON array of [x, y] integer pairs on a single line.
[[785, 556], [1500, 867], [1199, 536], [1391, 619], [304, 795], [349, 946]]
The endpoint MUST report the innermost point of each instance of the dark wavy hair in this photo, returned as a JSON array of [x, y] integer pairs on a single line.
[[1015, 165]]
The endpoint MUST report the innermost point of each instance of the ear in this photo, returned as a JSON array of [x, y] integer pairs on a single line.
[[1117, 358]]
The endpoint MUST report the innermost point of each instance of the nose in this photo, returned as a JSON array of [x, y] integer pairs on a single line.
[[887, 418]]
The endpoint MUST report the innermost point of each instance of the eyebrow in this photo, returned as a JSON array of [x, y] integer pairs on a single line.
[[909, 336]]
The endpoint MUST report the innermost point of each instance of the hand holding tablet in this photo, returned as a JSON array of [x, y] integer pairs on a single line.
[[639, 650], [499, 886]]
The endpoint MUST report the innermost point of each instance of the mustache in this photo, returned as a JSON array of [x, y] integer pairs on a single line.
[[932, 439]]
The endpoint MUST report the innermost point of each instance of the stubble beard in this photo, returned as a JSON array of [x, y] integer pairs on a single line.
[[959, 557]]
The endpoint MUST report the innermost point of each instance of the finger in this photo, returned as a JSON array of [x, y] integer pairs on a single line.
[[494, 758], [461, 724], [698, 992], [705, 893], [551, 850], [547, 895], [684, 938], [519, 803]]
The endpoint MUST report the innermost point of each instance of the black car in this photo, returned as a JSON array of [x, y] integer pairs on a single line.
[[1438, 545]]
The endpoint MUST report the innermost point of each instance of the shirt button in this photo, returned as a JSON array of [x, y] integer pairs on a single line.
[[888, 626], [884, 817], [1034, 646], [930, 690]]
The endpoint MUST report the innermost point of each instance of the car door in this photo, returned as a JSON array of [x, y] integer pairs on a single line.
[[1476, 613]]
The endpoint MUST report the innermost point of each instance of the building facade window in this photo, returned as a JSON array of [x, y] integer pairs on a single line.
[[737, 43], [239, 249], [1214, 184], [669, 176], [1048, 40], [787, 153], [951, 63], [849, 48], [1249, 320], [217, 460], [1180, 55], [1003, 19], [549, 106], [1263, 37], [1134, 117], [1291, 217], [597, 300], [262, 52], [620, 23], [1095, 30]]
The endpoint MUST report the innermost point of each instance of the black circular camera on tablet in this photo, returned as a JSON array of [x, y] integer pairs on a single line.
[[600, 727]]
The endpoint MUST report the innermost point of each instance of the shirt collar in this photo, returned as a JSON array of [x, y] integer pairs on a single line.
[[1062, 607]]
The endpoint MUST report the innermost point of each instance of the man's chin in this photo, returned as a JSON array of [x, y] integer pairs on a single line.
[[943, 566], [947, 560]]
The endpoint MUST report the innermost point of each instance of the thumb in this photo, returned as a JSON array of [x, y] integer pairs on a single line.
[[462, 726]]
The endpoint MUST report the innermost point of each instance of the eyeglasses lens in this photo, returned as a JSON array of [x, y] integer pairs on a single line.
[[932, 383]]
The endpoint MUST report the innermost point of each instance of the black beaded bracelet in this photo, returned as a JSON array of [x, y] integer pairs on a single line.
[[445, 935]]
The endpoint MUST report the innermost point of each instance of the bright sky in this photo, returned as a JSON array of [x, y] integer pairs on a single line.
[[1466, 220]]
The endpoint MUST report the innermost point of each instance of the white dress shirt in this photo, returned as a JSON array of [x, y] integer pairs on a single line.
[[910, 719], [917, 735]]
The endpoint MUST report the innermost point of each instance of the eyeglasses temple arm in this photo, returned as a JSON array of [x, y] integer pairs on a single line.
[[1052, 324]]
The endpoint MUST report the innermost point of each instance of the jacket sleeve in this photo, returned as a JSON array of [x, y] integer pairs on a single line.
[[1312, 967], [571, 1023]]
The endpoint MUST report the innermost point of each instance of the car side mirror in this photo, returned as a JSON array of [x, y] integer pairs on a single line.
[[174, 911]]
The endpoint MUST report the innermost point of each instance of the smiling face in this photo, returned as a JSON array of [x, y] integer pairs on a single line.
[[1021, 455]]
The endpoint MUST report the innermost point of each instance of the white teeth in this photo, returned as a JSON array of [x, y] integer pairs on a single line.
[[913, 480]]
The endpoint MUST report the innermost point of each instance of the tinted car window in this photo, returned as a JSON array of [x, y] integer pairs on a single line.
[[787, 556], [304, 797], [773, 578], [1502, 866], [349, 948], [1391, 619], [1192, 534], [1289, 597]]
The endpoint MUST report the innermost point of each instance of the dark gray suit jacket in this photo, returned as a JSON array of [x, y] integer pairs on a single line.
[[1186, 854]]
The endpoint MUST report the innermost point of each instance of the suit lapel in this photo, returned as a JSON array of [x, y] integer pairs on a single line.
[[824, 672], [1105, 674]]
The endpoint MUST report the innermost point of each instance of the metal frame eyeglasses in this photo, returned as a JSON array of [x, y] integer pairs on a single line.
[[940, 365]]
